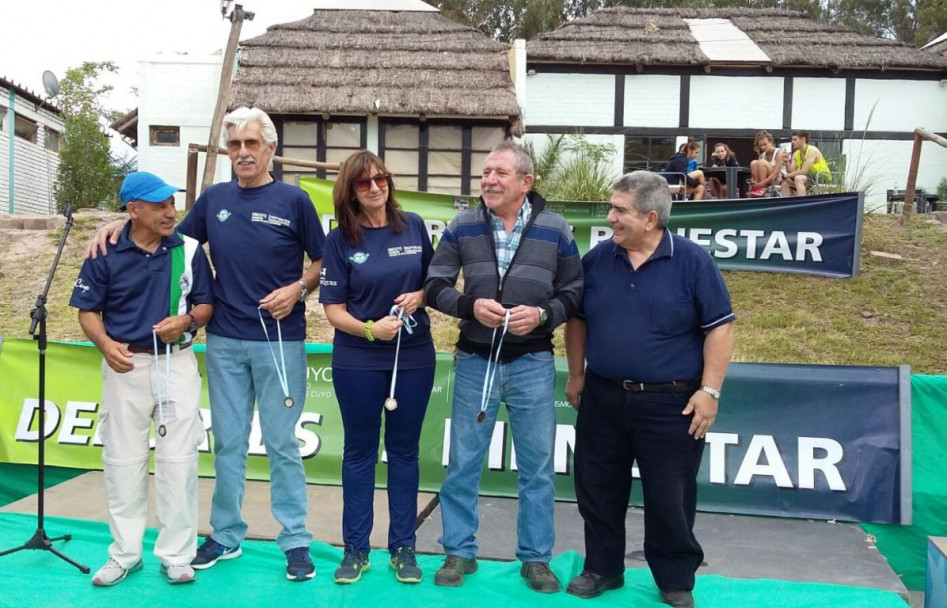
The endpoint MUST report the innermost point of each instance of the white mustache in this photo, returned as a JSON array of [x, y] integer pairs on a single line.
[[245, 161]]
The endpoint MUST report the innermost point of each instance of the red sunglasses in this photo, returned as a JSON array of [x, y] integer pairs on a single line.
[[364, 184]]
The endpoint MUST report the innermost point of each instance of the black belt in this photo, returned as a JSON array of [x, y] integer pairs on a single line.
[[138, 350], [675, 386]]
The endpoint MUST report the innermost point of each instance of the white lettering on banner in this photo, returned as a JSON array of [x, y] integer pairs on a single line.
[[496, 456], [774, 244], [763, 448], [27, 412], [319, 374], [599, 234], [328, 222], [435, 230], [72, 421]]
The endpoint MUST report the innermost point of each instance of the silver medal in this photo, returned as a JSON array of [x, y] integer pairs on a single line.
[[289, 402], [391, 404]]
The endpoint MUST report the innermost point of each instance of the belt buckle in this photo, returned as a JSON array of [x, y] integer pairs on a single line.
[[632, 386]]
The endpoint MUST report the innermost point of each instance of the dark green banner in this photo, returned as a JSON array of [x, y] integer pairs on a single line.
[[818, 235]]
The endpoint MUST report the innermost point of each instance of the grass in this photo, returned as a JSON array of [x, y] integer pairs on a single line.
[[893, 313]]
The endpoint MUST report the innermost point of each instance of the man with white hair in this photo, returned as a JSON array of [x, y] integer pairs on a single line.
[[258, 228]]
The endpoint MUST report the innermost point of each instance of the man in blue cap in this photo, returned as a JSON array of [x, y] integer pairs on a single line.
[[141, 306]]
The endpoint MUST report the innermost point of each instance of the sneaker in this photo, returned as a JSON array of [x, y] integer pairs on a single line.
[[112, 573], [757, 192], [540, 577], [451, 574], [299, 565], [353, 564], [178, 573], [405, 565], [211, 551]]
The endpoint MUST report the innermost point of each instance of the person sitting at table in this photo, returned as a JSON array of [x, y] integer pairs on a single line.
[[694, 182], [723, 156], [767, 170]]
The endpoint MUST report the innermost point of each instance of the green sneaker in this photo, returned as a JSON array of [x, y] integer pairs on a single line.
[[405, 565], [353, 564]]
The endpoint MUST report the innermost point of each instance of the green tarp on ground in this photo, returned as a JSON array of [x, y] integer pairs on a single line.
[[905, 547], [37, 579]]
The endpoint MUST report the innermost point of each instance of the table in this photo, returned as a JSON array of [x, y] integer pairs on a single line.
[[735, 176]]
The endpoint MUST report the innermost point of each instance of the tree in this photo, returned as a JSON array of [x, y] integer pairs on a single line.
[[89, 174]]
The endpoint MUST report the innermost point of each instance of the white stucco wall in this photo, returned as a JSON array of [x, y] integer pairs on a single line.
[[818, 104], [883, 165], [34, 167], [178, 91], [900, 105], [720, 102], [652, 100], [582, 100]]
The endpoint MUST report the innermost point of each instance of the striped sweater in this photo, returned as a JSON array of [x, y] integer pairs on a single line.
[[545, 271]]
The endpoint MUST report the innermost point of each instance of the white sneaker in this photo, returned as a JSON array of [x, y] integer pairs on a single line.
[[178, 573], [112, 573]]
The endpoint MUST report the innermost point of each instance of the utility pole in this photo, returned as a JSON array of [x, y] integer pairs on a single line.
[[226, 76]]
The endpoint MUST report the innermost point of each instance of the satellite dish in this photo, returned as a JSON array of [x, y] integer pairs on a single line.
[[50, 83]]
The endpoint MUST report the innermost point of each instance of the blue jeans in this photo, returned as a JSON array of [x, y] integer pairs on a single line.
[[361, 395], [239, 373], [526, 385]]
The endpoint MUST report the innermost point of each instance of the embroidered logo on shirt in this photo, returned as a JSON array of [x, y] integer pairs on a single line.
[[185, 283], [359, 257], [81, 285], [268, 218], [223, 215]]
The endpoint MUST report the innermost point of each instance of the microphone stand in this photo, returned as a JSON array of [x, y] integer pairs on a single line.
[[40, 541]]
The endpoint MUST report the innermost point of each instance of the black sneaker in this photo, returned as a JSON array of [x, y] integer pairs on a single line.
[[451, 574], [540, 577], [353, 564], [299, 565], [211, 552], [589, 584], [405, 565]]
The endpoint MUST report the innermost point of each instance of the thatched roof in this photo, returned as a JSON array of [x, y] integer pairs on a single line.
[[660, 37], [363, 62]]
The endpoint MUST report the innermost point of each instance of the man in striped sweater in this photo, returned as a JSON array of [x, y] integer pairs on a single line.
[[522, 278]]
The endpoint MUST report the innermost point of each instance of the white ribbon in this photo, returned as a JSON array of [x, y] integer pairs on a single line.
[[408, 324], [281, 374], [167, 381], [492, 364]]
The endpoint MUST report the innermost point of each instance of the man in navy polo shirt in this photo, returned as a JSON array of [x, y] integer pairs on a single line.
[[141, 306], [647, 358], [259, 230]]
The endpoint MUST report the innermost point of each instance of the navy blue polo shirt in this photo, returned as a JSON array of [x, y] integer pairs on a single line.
[[257, 240], [367, 277], [132, 287], [648, 324]]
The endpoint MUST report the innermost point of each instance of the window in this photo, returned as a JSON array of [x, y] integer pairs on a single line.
[[165, 136], [438, 157], [317, 140], [647, 153], [25, 128], [53, 140]]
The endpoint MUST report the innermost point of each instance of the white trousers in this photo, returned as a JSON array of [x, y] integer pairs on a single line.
[[129, 405]]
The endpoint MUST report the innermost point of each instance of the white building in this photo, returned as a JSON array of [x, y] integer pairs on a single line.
[[646, 79], [30, 137]]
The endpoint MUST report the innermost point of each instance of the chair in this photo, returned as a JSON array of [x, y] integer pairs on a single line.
[[676, 184]]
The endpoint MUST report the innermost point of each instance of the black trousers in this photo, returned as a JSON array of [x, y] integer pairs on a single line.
[[615, 428]]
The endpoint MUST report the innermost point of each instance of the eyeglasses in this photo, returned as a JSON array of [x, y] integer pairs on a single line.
[[252, 145], [364, 184]]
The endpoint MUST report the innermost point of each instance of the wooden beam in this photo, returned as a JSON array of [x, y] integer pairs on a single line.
[[920, 135], [191, 193], [223, 94]]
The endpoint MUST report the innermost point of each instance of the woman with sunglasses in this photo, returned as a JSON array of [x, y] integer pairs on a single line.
[[373, 269]]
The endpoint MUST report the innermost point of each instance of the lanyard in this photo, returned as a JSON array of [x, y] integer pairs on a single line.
[[494, 363], [162, 430], [280, 370], [408, 324]]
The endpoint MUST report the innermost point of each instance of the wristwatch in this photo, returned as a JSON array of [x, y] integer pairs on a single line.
[[713, 392], [543, 315], [304, 292], [192, 328]]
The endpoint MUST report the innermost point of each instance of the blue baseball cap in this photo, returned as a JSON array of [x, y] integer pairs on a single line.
[[144, 186]]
